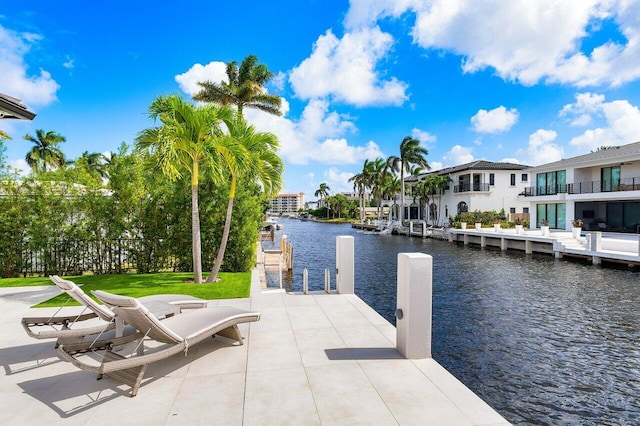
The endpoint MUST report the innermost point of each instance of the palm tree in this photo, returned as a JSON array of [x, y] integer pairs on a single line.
[[244, 89], [257, 160], [411, 154], [361, 182], [423, 191], [187, 139], [323, 192], [441, 182], [380, 174], [94, 163], [45, 151]]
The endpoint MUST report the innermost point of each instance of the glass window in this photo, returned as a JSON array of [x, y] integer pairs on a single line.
[[513, 179], [462, 207], [492, 178], [541, 183], [525, 177], [525, 210], [610, 177], [541, 214], [512, 209]]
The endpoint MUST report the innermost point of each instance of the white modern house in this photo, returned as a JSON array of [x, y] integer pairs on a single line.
[[601, 188], [479, 185]]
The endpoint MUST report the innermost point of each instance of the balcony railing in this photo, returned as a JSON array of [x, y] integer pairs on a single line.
[[469, 187], [535, 191], [590, 187]]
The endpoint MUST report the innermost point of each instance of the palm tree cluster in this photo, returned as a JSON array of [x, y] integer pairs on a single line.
[[383, 179], [193, 139]]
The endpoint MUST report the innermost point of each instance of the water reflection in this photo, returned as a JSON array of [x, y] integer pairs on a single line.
[[542, 341]]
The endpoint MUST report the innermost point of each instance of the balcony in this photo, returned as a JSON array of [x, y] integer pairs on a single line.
[[471, 187], [590, 187]]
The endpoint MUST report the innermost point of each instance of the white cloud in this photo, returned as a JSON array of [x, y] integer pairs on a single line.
[[497, 120], [69, 64], [338, 181], [436, 165], [345, 70], [423, 136], [458, 155], [525, 41], [580, 112], [213, 71], [35, 90], [620, 121], [541, 148], [20, 166], [318, 136]]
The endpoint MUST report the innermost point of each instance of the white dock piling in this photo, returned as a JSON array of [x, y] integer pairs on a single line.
[[413, 325], [345, 264]]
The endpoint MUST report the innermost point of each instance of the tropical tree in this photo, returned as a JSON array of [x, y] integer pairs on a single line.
[[323, 192], [93, 163], [380, 174], [411, 154], [361, 182], [391, 188], [245, 88], [3, 137], [188, 138], [45, 151], [257, 159], [441, 182]]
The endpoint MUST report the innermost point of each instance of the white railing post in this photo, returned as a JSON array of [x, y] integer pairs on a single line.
[[305, 281], [596, 241], [413, 313], [327, 281], [345, 264]]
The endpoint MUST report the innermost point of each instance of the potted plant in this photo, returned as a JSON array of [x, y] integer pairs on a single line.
[[463, 225], [518, 226], [544, 227], [577, 227], [496, 225], [478, 226]]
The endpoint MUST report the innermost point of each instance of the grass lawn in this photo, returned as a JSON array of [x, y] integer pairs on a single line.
[[231, 286]]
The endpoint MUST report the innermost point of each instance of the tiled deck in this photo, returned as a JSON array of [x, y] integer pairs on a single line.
[[311, 359]]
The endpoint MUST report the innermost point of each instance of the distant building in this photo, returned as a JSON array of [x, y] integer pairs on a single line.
[[287, 203], [479, 185]]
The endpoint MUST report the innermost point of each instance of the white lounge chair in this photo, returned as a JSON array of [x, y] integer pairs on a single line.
[[64, 328], [178, 334]]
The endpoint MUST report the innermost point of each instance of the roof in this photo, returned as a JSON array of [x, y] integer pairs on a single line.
[[613, 154], [11, 107], [474, 165]]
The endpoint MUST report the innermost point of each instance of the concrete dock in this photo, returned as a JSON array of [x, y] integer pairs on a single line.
[[594, 246], [312, 359]]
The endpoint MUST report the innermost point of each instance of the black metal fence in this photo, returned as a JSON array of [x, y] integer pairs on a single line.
[[590, 187], [73, 257]]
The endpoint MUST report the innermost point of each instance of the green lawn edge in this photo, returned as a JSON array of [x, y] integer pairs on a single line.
[[231, 286]]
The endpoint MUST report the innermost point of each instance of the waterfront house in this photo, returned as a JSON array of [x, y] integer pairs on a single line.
[[601, 188], [478, 185]]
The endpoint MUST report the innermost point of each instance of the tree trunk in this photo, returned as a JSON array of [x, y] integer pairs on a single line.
[[196, 246], [225, 235]]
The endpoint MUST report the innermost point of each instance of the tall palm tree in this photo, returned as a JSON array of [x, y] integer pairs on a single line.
[[323, 192], [361, 182], [187, 139], [411, 154], [441, 182], [94, 163], [45, 151], [380, 174], [257, 160], [244, 89]]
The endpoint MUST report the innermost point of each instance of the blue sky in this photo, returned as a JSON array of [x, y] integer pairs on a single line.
[[502, 80]]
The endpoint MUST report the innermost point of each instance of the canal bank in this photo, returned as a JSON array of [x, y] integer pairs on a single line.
[[542, 341]]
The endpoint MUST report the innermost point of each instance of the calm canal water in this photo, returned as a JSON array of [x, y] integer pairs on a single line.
[[543, 341]]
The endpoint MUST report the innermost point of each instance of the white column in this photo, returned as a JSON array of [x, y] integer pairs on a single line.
[[345, 264], [413, 325]]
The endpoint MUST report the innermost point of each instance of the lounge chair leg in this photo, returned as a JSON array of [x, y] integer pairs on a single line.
[[231, 333]]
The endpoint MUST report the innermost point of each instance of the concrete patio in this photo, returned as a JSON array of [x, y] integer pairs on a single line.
[[311, 359]]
